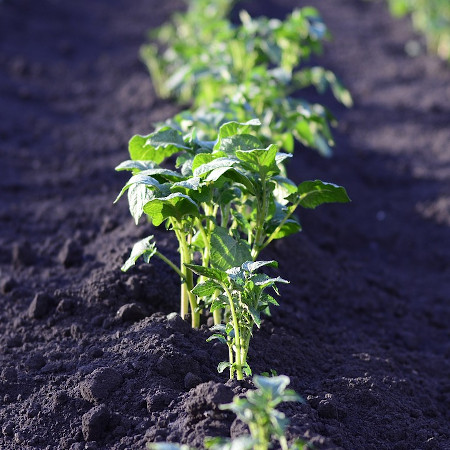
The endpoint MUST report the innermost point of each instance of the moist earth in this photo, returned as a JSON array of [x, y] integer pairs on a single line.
[[92, 358]]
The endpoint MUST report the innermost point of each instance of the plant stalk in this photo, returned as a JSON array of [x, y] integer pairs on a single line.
[[237, 339]]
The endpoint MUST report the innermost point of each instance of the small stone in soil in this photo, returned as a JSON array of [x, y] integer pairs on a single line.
[[8, 429], [22, 254], [164, 366], [130, 312], [40, 305], [95, 423], [71, 254], [191, 380], [9, 375], [175, 322], [100, 383], [35, 362], [158, 401], [95, 352], [7, 284], [65, 305]]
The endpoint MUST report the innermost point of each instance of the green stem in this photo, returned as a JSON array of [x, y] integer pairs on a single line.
[[217, 316], [237, 339], [206, 241], [171, 264], [283, 443], [245, 346], [225, 216], [187, 297], [260, 217]]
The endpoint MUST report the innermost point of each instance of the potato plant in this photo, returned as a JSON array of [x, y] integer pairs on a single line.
[[225, 200], [241, 293], [258, 410], [249, 71]]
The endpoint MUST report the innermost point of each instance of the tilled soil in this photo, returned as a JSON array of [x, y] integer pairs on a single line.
[[92, 358]]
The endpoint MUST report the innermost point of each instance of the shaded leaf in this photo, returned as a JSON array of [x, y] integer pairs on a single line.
[[205, 289], [145, 247], [175, 205], [227, 252], [209, 272]]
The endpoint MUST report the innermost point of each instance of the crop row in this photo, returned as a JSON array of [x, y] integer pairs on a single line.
[[215, 175]]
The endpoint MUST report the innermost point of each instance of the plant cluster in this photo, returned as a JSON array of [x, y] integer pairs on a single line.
[[225, 201], [267, 425], [220, 185], [250, 70], [430, 17]]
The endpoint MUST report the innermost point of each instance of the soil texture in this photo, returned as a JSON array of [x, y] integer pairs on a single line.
[[92, 358]]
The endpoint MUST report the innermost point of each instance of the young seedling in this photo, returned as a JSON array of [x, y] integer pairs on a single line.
[[243, 296], [258, 409]]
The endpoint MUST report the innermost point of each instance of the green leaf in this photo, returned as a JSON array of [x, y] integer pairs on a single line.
[[255, 316], [233, 128], [261, 160], [219, 337], [223, 162], [220, 327], [222, 366], [281, 157], [274, 385], [205, 289], [205, 158], [218, 303], [192, 184], [227, 252], [166, 446], [209, 272], [270, 281], [247, 370], [139, 179], [156, 146], [315, 193], [145, 247], [284, 187], [230, 144], [269, 299], [291, 226], [138, 196], [232, 174], [163, 174], [250, 266], [135, 165], [175, 205]]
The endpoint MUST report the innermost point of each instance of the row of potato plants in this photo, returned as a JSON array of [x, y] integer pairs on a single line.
[[253, 69], [220, 185]]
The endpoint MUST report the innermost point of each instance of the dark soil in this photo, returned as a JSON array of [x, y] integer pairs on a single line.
[[363, 328]]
